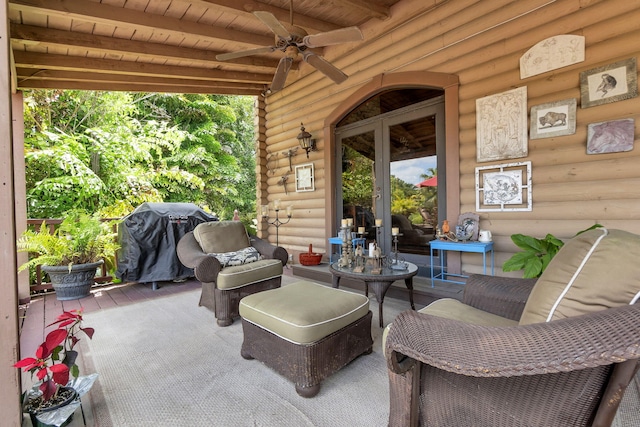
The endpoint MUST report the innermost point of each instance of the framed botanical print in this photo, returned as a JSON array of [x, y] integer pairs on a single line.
[[505, 187], [304, 178]]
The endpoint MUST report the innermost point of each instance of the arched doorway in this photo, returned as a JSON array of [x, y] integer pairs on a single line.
[[395, 121]]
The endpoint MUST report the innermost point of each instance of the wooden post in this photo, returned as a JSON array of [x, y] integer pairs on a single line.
[[9, 376]]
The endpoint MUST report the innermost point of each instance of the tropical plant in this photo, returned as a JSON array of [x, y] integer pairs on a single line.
[[55, 359], [536, 253], [80, 239]]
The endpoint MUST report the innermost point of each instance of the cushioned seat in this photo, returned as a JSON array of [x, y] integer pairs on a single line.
[[242, 275], [304, 312], [305, 331]]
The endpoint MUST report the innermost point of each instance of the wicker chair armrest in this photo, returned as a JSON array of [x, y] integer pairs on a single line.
[[268, 250], [503, 296], [595, 339], [205, 267]]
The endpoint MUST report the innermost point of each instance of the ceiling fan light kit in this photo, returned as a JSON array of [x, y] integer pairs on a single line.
[[296, 41]]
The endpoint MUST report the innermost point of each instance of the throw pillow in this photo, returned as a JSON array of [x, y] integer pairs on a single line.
[[243, 256], [593, 271]]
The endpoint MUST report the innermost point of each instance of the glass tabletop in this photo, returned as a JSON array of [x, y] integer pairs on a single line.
[[394, 270]]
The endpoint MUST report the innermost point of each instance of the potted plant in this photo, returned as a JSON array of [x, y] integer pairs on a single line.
[[536, 253], [71, 254], [53, 363]]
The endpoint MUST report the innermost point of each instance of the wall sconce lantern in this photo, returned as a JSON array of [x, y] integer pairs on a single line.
[[304, 138]]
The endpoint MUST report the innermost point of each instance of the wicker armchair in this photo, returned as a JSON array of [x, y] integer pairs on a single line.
[[454, 366], [224, 286]]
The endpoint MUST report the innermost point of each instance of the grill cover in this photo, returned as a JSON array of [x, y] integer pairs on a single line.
[[148, 237]]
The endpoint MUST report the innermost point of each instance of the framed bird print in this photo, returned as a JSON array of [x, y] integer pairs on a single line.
[[609, 83]]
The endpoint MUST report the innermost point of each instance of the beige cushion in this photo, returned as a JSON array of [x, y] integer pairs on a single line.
[[596, 270], [237, 276], [303, 312], [221, 236], [453, 309]]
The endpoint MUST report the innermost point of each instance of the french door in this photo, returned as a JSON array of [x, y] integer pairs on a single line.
[[382, 159]]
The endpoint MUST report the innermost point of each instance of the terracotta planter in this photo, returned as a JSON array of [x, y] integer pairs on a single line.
[[75, 284]]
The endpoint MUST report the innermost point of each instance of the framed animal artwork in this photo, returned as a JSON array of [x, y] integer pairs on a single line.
[[614, 136], [610, 83], [553, 119]]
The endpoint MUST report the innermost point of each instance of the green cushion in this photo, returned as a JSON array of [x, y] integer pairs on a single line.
[[596, 270], [237, 276], [303, 312], [221, 236]]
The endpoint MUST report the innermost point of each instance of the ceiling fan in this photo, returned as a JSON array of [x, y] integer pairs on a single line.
[[296, 41]]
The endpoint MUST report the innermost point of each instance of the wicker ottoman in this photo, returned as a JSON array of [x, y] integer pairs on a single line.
[[305, 331]]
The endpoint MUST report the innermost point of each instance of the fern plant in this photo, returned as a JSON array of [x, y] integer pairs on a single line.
[[80, 239], [536, 253]]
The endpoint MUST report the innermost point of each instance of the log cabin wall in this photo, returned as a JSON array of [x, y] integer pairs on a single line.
[[481, 43]]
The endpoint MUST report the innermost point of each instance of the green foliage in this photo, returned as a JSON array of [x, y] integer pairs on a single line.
[[536, 253], [80, 239], [357, 179], [109, 152]]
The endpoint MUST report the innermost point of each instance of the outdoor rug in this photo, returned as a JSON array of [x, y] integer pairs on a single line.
[[165, 362]]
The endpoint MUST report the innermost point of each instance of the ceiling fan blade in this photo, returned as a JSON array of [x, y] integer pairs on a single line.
[[280, 77], [342, 35], [272, 22], [248, 52], [325, 67]]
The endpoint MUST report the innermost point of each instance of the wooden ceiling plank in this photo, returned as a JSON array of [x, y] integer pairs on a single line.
[[96, 12], [123, 87], [247, 7], [111, 45], [63, 62], [366, 7]]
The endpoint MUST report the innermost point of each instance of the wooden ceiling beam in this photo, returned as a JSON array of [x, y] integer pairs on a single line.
[[100, 13], [64, 62], [29, 74], [123, 87], [247, 7], [110, 45], [367, 8]]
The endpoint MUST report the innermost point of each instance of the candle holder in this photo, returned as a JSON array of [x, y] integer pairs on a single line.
[[346, 257], [277, 222], [397, 263]]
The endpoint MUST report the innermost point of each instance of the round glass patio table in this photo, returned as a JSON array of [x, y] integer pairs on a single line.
[[379, 283]]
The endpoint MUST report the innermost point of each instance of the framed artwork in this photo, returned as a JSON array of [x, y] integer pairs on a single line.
[[610, 137], [610, 83], [467, 228], [553, 119], [552, 53], [506, 187], [305, 180], [501, 126]]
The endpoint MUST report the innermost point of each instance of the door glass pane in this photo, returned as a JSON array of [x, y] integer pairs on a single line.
[[358, 181], [414, 190]]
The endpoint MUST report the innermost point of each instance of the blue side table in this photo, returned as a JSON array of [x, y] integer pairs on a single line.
[[471, 246], [338, 241]]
